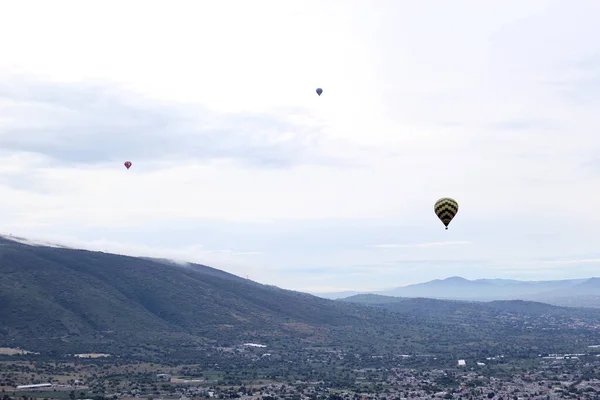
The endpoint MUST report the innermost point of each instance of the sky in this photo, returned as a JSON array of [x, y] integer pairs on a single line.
[[240, 165]]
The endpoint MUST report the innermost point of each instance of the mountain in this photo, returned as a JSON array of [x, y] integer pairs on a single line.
[[59, 301], [480, 289], [74, 300], [582, 294], [446, 309], [568, 292]]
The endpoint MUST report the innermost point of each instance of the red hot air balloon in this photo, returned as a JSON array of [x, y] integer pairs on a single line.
[[127, 164]]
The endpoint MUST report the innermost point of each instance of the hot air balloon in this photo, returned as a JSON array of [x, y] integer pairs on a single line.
[[319, 91], [127, 164], [445, 208]]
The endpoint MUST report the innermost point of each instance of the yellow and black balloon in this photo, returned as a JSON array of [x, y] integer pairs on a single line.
[[446, 209]]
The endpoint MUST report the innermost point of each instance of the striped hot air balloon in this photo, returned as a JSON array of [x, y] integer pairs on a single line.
[[445, 208]]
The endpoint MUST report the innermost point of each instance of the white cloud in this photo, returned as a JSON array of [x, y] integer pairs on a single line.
[[229, 260], [215, 105]]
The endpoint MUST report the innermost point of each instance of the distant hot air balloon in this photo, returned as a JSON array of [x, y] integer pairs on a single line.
[[446, 208], [127, 164], [319, 91]]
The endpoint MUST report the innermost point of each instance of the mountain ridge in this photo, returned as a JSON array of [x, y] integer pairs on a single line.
[[568, 292]]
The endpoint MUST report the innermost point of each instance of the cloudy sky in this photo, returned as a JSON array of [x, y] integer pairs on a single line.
[[238, 164]]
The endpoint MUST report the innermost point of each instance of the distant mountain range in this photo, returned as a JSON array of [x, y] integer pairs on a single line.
[[567, 292]]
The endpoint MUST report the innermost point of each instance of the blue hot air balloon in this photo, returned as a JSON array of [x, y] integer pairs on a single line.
[[319, 91]]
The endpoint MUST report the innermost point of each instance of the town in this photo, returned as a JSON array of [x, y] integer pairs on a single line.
[[552, 376]]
